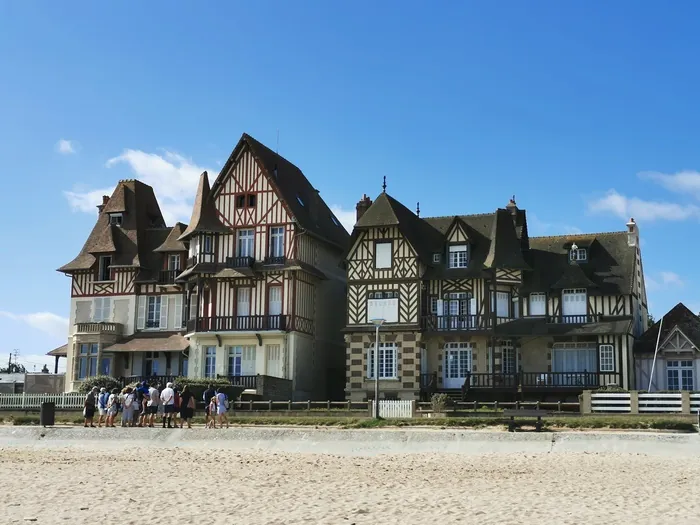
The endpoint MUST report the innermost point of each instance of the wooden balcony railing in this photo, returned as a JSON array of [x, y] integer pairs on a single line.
[[573, 319], [544, 380], [248, 323], [444, 323], [247, 382], [167, 276], [98, 328], [239, 262], [272, 261]]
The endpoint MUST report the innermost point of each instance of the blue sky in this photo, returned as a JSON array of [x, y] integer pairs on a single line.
[[586, 111]]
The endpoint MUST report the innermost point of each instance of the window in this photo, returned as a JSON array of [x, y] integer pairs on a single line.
[[173, 262], [458, 364], [251, 200], [300, 200], [209, 361], [277, 241], [246, 244], [434, 306], [185, 367], [383, 305], [87, 360], [538, 304], [274, 360], [240, 201], [150, 367], [436, 257], [579, 254], [105, 273], [459, 256], [502, 306], [606, 355], [193, 306], [243, 302], [208, 245], [335, 221], [382, 255], [573, 357], [241, 360], [679, 375], [274, 305], [153, 305], [573, 307], [508, 356], [115, 219], [387, 361], [102, 309]]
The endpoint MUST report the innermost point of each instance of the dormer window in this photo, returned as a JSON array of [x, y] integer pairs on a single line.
[[104, 271], [458, 256], [115, 219], [300, 200], [578, 254]]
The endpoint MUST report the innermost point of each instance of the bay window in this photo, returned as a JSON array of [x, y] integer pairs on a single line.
[[87, 360]]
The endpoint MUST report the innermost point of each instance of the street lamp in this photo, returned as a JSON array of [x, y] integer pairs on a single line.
[[377, 324]]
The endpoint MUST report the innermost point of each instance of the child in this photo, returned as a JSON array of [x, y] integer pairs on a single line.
[[212, 410]]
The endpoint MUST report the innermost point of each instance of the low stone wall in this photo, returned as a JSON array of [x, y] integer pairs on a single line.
[[274, 388]]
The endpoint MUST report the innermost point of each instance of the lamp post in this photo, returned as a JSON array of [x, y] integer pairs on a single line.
[[377, 324]]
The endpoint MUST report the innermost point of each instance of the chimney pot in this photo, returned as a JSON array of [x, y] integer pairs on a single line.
[[362, 206]]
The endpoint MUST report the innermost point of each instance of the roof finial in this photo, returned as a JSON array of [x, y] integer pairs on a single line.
[[418, 209], [384, 185]]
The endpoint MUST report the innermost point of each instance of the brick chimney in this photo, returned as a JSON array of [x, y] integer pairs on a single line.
[[632, 233], [101, 207], [363, 206]]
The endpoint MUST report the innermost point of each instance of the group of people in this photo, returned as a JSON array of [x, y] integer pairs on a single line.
[[144, 404]]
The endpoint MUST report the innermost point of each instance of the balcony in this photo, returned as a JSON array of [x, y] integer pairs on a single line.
[[245, 323], [191, 262], [98, 328], [542, 380], [573, 319], [274, 261], [167, 276], [239, 262], [455, 323]]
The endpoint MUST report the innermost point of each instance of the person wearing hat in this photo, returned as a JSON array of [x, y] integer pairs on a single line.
[[102, 406], [167, 397], [89, 410]]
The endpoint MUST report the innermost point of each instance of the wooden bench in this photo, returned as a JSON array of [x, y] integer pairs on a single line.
[[535, 418]]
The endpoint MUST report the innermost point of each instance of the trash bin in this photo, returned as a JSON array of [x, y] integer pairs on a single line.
[[47, 414]]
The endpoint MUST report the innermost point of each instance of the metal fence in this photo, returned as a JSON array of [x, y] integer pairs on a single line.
[[32, 401]]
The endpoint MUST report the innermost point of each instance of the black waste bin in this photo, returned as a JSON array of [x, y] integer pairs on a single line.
[[47, 414]]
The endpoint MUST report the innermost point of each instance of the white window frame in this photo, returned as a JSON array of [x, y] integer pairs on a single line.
[[174, 261], [209, 361], [105, 262], [115, 219], [102, 309], [243, 299], [503, 301], [274, 297], [436, 258], [388, 361], [153, 315], [458, 256], [383, 308], [245, 243], [541, 299], [573, 292], [273, 360], [382, 254], [509, 356], [277, 241], [208, 245], [606, 358], [579, 255]]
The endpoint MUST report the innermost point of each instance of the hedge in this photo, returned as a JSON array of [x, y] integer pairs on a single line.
[[199, 385], [108, 382]]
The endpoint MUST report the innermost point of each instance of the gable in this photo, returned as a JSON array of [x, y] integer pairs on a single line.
[[361, 262], [457, 234], [246, 178], [677, 341]]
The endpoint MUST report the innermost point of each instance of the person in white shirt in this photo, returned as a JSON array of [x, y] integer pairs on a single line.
[[152, 406], [221, 407], [167, 397]]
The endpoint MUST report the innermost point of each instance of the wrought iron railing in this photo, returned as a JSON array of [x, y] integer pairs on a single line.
[[167, 276], [238, 323], [534, 380], [441, 323], [270, 261], [239, 262], [573, 319]]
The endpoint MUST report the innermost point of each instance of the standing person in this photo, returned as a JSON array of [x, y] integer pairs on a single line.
[[206, 397], [186, 407], [211, 409], [129, 404], [178, 402], [89, 410], [222, 407], [102, 406], [152, 405], [112, 407], [142, 400], [167, 397]]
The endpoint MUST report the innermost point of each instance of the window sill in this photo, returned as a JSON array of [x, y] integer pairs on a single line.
[[383, 379], [105, 282]]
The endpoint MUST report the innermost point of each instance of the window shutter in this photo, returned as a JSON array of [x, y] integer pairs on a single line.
[[94, 310], [164, 312], [440, 307], [141, 317], [370, 362], [178, 312], [473, 310]]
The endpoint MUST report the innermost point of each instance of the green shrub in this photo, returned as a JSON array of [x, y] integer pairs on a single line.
[[199, 385], [439, 402], [25, 420], [107, 382]]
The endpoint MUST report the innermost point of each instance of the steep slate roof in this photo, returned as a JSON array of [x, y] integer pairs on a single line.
[[679, 316], [204, 214], [127, 243], [172, 242], [313, 215], [505, 250], [608, 270]]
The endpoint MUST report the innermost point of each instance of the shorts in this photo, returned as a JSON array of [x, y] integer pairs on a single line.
[[112, 411], [169, 409], [220, 410], [102, 411], [89, 412], [186, 413], [152, 409]]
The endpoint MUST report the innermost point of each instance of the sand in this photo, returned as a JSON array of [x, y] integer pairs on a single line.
[[124, 482]]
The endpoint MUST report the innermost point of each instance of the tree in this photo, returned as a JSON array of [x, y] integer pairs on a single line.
[[13, 368], [650, 319]]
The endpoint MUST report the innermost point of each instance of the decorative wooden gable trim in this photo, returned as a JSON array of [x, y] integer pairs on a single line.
[[361, 263], [677, 341]]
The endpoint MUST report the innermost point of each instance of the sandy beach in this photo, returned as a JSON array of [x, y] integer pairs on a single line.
[[129, 483]]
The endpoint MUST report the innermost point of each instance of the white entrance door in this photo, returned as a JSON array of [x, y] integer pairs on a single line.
[[458, 363]]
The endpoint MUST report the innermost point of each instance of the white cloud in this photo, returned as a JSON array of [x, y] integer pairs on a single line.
[[66, 147], [663, 281], [671, 279], [651, 284], [642, 210], [686, 182], [537, 227], [346, 217], [173, 177], [52, 324]]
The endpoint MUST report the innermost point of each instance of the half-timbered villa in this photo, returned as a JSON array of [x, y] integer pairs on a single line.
[[126, 315], [264, 282], [473, 305], [677, 364]]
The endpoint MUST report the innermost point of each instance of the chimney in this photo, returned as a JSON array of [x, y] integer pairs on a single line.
[[363, 206], [513, 209], [101, 207], [632, 233]]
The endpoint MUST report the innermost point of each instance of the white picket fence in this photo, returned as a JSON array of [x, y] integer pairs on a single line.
[[621, 402], [33, 401], [394, 409]]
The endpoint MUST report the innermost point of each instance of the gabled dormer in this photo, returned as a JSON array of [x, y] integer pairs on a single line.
[[204, 229], [457, 249], [174, 254]]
